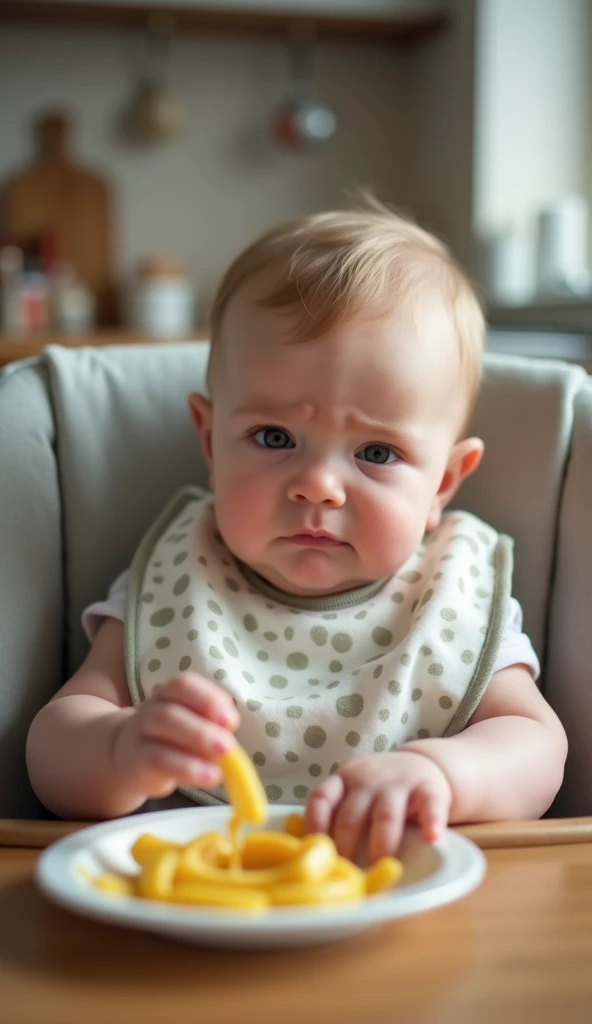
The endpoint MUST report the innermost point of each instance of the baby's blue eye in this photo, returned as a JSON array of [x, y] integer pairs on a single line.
[[273, 437], [376, 454]]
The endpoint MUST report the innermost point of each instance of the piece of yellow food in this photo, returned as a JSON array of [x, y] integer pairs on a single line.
[[194, 869], [315, 862], [267, 850], [116, 885], [345, 869], [294, 825], [385, 873], [265, 869], [332, 890], [158, 875], [146, 846], [207, 894], [246, 793], [244, 787]]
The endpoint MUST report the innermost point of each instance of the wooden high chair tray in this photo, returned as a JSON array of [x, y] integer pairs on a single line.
[[488, 836]]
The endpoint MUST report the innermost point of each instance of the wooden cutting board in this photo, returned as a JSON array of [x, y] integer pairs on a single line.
[[58, 195]]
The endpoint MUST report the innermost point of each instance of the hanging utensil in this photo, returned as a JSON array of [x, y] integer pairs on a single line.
[[155, 113], [303, 121]]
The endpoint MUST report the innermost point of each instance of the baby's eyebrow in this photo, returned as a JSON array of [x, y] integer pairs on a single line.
[[264, 409], [396, 431]]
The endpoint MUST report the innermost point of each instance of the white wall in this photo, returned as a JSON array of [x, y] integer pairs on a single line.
[[532, 114], [437, 143], [203, 197]]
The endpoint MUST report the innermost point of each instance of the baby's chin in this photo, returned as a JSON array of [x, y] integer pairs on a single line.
[[312, 574]]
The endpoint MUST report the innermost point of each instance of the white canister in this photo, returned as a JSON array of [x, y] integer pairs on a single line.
[[562, 257], [162, 300], [509, 267]]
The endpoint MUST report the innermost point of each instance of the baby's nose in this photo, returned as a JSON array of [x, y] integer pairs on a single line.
[[317, 485]]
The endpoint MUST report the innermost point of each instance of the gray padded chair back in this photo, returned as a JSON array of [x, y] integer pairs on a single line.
[[569, 654], [525, 416]]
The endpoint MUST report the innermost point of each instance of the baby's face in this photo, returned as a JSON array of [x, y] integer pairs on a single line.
[[327, 456]]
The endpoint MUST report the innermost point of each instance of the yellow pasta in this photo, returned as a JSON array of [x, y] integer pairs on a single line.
[[267, 850], [158, 875], [316, 861], [262, 870], [295, 825], [116, 885], [332, 890], [146, 846], [345, 869], [193, 868], [244, 787], [208, 895], [385, 873]]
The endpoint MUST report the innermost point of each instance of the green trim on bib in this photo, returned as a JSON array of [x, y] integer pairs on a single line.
[[330, 603], [138, 567], [504, 564]]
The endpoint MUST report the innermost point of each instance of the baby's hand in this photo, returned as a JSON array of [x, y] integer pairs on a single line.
[[373, 797], [174, 737]]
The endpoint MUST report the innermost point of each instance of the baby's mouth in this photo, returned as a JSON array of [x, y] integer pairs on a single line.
[[315, 539]]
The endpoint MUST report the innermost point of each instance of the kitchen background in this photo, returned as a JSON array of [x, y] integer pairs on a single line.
[[477, 123]]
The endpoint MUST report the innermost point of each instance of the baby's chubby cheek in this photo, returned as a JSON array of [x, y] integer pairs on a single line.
[[388, 539], [244, 518]]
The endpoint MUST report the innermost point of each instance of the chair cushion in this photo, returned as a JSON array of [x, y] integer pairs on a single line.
[[125, 443], [525, 416], [569, 662], [31, 591]]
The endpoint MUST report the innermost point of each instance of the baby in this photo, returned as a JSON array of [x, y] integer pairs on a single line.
[[318, 603]]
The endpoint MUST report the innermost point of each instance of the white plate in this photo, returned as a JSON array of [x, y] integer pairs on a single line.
[[435, 873]]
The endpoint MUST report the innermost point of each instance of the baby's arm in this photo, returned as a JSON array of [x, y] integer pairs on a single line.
[[507, 763], [90, 754]]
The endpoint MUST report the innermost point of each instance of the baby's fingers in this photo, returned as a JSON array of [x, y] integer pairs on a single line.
[[350, 825], [201, 696], [177, 726], [387, 821], [164, 768], [322, 803], [432, 807]]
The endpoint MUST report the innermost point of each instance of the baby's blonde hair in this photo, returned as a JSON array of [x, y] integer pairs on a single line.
[[336, 265]]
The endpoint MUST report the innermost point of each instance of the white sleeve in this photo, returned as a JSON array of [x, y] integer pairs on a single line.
[[516, 648], [112, 607]]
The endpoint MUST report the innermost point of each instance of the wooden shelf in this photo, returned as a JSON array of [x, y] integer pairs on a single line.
[[13, 348], [569, 314], [397, 27]]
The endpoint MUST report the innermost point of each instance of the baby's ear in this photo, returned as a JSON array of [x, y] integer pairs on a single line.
[[463, 460], [201, 412]]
